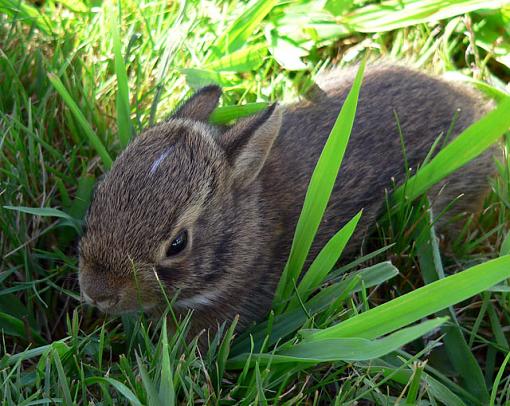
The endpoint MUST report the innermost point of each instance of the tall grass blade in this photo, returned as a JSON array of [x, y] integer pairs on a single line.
[[497, 380], [48, 212], [124, 125], [420, 303], [397, 373], [393, 14], [226, 114], [10, 325], [324, 262], [467, 146], [198, 78], [148, 384], [28, 14], [459, 353], [414, 387], [223, 354], [166, 387], [62, 379], [242, 28], [490, 91], [244, 60], [318, 192], [119, 386], [78, 115], [341, 349], [290, 321]]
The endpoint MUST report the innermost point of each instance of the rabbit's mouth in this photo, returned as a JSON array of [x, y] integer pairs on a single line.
[[198, 301], [115, 305], [105, 304]]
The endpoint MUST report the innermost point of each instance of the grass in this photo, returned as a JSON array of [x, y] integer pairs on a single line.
[[79, 79]]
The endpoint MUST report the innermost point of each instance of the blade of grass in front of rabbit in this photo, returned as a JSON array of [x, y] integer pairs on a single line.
[[318, 193]]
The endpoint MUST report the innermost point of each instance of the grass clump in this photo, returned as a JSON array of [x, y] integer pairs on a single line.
[[79, 79]]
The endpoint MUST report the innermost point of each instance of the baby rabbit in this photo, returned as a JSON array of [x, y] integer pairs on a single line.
[[209, 213]]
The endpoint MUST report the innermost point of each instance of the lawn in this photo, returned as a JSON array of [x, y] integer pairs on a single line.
[[407, 321]]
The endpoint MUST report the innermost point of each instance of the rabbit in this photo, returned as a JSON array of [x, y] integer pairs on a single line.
[[206, 214]]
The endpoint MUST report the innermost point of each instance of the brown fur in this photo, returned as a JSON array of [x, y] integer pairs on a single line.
[[239, 191]]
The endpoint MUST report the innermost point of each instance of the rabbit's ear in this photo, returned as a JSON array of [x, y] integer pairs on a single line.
[[200, 106], [248, 142]]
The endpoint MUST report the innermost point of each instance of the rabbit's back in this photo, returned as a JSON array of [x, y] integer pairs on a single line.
[[424, 108]]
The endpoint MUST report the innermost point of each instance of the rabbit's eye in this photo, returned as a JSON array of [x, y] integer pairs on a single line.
[[177, 245]]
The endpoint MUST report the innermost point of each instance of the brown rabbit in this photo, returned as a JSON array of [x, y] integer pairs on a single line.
[[210, 212]]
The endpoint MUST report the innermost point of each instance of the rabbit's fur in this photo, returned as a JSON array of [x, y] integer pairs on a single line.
[[239, 191]]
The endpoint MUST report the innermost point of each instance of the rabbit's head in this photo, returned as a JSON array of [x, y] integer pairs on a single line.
[[179, 213]]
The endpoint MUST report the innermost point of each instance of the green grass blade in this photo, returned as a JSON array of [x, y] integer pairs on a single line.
[[290, 321], [326, 259], [490, 91], [368, 349], [397, 373], [468, 145], [358, 261], [41, 211], [119, 386], [318, 192], [338, 7], [166, 387], [124, 125], [420, 303], [505, 245], [239, 32], [497, 381], [415, 384], [497, 329], [223, 353], [341, 349], [92, 137], [33, 352], [28, 14], [226, 114], [10, 325], [393, 14], [62, 379], [79, 205], [148, 384], [285, 51], [47, 212], [198, 78], [244, 60], [459, 353]]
